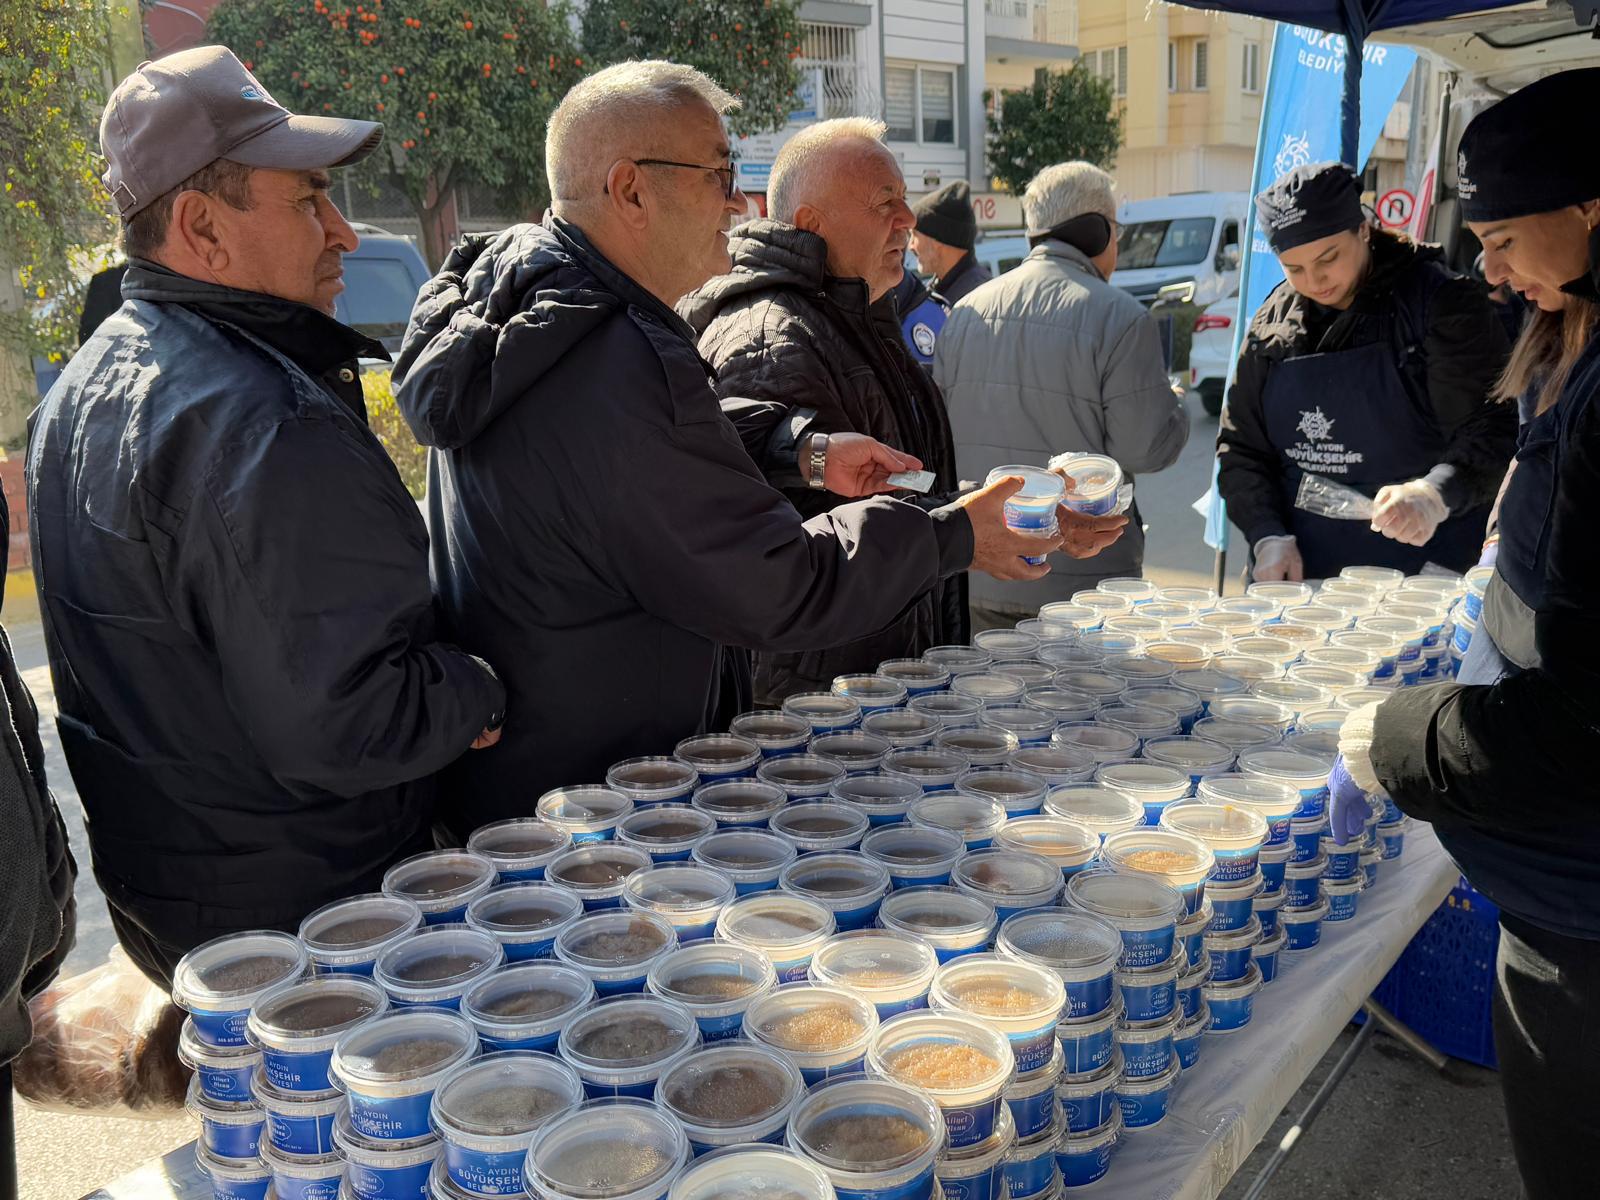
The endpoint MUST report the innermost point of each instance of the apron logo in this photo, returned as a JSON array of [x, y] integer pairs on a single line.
[[1317, 426], [922, 338]]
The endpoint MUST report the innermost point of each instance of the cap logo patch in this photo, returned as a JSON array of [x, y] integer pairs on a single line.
[[249, 92], [1280, 212], [1465, 188]]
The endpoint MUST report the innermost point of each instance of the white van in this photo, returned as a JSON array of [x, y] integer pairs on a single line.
[[1190, 239]]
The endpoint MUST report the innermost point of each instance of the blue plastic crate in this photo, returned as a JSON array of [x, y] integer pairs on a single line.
[[1443, 985]]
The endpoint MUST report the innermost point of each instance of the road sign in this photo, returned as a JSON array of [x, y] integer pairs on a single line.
[[1395, 208]]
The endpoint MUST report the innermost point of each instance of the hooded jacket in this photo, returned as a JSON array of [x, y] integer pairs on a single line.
[[816, 355], [599, 529], [234, 589], [1410, 298]]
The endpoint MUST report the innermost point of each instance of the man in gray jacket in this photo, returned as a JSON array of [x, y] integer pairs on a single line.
[[1050, 358]]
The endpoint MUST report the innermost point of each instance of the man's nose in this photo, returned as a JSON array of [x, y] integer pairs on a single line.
[[337, 231], [904, 218]]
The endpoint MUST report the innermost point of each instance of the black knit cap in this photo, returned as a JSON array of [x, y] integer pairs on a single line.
[[946, 215], [1533, 151], [1312, 201]]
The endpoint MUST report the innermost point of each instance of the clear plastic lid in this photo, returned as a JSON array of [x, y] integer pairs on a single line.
[[1152, 781], [628, 1033], [1271, 796], [988, 688], [1219, 826], [1021, 721], [361, 923], [877, 793], [1100, 684], [770, 729], [519, 843], [1105, 742], [1291, 693], [1038, 486], [740, 801], [529, 907], [1112, 643], [442, 959], [229, 972], [740, 852], [1236, 735], [774, 922], [1007, 785], [946, 1054], [959, 660], [835, 879], [606, 1150], [311, 1008], [1147, 720], [1064, 842], [808, 823], [666, 825], [1320, 743], [440, 879], [1246, 667], [505, 1094], [652, 778], [872, 961], [528, 993], [717, 753], [992, 987], [1006, 645], [914, 671], [615, 939], [1137, 669], [854, 749], [752, 1172], [1029, 671], [712, 974], [799, 774], [913, 846], [677, 888], [1162, 852], [811, 1018], [1189, 753], [1061, 938], [1100, 808], [1124, 895], [1093, 475], [867, 1126], [405, 1045], [926, 762], [901, 726], [597, 868], [581, 809], [1007, 875], [729, 1086], [823, 710], [1299, 769], [871, 691], [969, 817], [1053, 763], [1064, 704], [939, 913]]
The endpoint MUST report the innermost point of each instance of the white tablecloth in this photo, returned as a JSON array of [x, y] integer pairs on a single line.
[[1226, 1102]]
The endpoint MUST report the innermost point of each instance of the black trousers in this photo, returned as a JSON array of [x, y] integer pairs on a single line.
[[1547, 1037]]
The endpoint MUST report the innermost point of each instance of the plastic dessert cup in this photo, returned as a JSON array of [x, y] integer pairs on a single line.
[[1146, 1046], [621, 1045], [1232, 1002], [1274, 866], [1192, 930], [1234, 834], [1274, 801], [618, 1149], [1151, 993], [978, 1172], [1233, 903], [298, 1123], [929, 767], [717, 756], [732, 1094], [219, 981], [1065, 705], [1230, 951], [823, 1030], [228, 1129], [954, 923], [1084, 1158], [1145, 1102], [1342, 895], [1022, 1000], [1306, 773], [1054, 764], [1032, 1096], [1081, 949], [1266, 906], [740, 803], [1392, 838], [983, 745], [1344, 862], [616, 950], [875, 1139], [1089, 1100], [1032, 510], [302, 1177], [753, 859], [949, 710], [1089, 1043], [820, 826], [1141, 907], [785, 927], [1010, 880], [1264, 954], [975, 819], [874, 693], [586, 814], [902, 727], [525, 918], [1182, 862], [224, 1075], [826, 712], [526, 1006], [964, 1063], [914, 856], [882, 799], [666, 832], [346, 937], [917, 675], [296, 1025], [653, 780], [688, 897], [1094, 805], [389, 1069], [519, 848], [1189, 984], [1153, 785], [434, 967], [857, 751], [850, 884], [597, 872], [1106, 743], [234, 1178], [1020, 793], [776, 733], [1302, 882], [802, 776], [1302, 927], [1070, 845], [717, 982], [485, 1111], [892, 971], [751, 1171]]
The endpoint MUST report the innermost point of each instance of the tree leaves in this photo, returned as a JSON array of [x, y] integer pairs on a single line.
[[1065, 116]]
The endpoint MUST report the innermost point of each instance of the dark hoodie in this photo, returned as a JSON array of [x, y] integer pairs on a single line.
[[798, 351], [1462, 350], [599, 529]]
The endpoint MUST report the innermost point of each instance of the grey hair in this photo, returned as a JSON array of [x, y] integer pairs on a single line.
[[605, 117], [1066, 190], [798, 170]]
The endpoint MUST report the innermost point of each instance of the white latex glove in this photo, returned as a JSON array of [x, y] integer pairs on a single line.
[[1278, 558], [1355, 743], [1408, 512]]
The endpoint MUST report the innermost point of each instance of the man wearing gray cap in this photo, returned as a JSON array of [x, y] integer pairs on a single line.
[[233, 580]]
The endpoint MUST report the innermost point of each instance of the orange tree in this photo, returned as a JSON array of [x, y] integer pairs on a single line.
[[463, 87], [748, 46]]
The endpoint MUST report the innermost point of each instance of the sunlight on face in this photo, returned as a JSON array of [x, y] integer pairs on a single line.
[[1330, 269], [864, 217], [1536, 254]]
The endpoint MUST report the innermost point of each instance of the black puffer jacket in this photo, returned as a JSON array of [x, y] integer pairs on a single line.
[[1463, 349], [798, 351]]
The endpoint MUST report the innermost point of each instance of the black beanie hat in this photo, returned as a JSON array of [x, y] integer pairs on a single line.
[[946, 215], [1313, 201], [1526, 154]]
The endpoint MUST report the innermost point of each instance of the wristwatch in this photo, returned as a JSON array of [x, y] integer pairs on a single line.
[[819, 460]]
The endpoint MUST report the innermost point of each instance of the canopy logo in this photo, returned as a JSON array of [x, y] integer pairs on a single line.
[[1295, 152]]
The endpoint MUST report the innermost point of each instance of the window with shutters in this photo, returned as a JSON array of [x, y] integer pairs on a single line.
[[1201, 56], [919, 104], [1111, 65], [1250, 77]]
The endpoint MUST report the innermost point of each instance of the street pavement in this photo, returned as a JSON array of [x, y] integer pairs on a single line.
[[1395, 1130]]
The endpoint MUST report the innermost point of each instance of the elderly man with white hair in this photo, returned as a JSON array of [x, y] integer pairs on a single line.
[[598, 528], [1050, 358], [804, 338]]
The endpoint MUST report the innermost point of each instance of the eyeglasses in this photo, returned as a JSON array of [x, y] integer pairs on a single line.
[[723, 173]]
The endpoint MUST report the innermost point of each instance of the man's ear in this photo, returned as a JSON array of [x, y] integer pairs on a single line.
[[808, 218], [193, 229], [626, 194]]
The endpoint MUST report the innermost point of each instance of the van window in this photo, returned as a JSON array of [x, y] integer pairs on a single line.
[[1177, 243], [378, 296]]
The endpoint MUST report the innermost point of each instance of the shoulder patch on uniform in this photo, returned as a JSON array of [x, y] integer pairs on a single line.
[[923, 337]]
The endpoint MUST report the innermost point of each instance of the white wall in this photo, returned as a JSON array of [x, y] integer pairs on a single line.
[[941, 32]]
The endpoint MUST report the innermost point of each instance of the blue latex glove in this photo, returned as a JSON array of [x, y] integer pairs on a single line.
[[1349, 809]]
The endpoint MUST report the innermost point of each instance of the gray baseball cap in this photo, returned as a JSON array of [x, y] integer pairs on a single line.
[[180, 113]]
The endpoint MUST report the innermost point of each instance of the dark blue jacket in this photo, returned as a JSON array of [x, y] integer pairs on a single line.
[[234, 587], [600, 533]]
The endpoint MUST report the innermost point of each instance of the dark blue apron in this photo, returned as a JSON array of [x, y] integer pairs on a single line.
[[1346, 415]]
